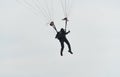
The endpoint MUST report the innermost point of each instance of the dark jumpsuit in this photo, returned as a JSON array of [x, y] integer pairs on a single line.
[[61, 36]]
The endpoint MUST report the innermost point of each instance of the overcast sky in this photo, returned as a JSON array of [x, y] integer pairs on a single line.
[[28, 47]]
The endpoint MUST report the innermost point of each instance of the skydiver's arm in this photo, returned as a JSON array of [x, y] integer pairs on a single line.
[[55, 29], [67, 32], [66, 20], [65, 25]]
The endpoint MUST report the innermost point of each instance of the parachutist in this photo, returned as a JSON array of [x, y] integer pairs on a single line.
[[47, 12], [61, 36]]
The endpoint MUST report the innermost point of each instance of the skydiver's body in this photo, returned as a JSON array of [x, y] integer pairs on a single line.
[[61, 36]]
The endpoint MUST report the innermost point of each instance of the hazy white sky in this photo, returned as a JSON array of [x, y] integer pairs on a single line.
[[28, 47]]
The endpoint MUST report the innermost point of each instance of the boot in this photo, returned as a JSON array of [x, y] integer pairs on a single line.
[[70, 51]]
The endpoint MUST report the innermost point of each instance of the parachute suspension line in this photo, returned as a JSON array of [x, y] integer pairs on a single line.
[[44, 11], [40, 10], [66, 6], [32, 7], [47, 7], [52, 15], [28, 5], [63, 7], [69, 7], [52, 10]]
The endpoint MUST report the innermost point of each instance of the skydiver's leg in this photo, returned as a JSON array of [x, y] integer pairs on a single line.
[[62, 47], [68, 44]]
